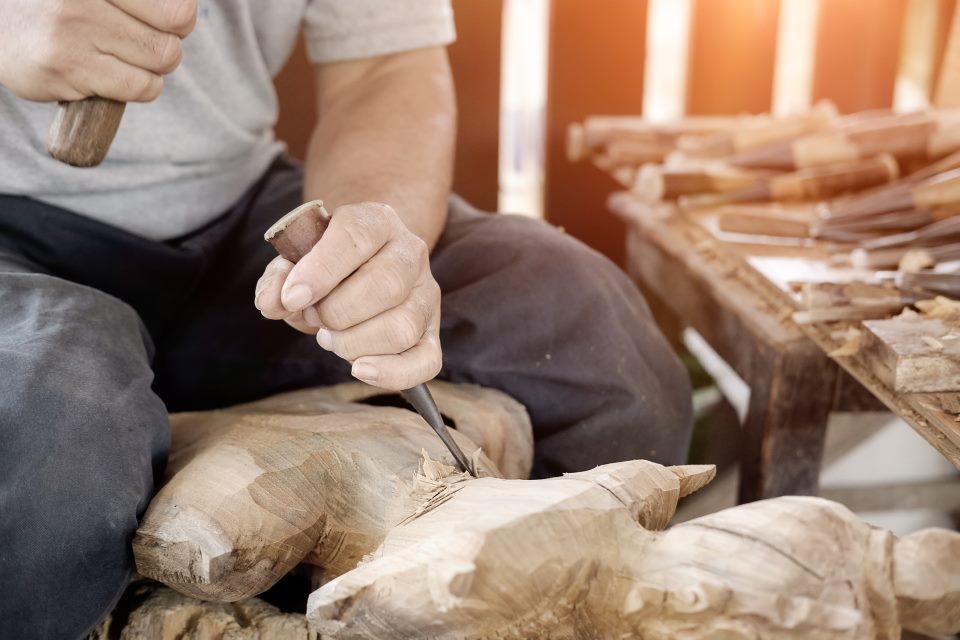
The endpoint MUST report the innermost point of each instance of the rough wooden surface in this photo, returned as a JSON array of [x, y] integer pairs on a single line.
[[502, 558], [150, 611], [927, 581], [913, 354], [934, 416], [564, 558], [495, 421], [258, 488]]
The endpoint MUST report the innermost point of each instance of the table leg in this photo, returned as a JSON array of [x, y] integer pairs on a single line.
[[791, 394]]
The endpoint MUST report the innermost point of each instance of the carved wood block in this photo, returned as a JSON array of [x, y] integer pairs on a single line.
[[913, 354]]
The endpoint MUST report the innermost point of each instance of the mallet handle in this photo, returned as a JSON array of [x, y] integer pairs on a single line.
[[82, 131]]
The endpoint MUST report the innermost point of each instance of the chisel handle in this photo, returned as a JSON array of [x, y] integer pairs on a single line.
[[82, 131]]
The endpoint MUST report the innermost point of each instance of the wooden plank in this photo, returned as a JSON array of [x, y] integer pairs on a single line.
[[925, 413], [475, 60], [946, 10], [858, 48], [297, 115], [595, 67], [913, 354], [733, 47]]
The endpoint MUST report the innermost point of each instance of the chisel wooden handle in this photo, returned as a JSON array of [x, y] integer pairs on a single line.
[[82, 131]]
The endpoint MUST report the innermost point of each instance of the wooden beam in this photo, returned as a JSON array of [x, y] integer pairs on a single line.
[[597, 51], [858, 49], [298, 111], [733, 47], [475, 61]]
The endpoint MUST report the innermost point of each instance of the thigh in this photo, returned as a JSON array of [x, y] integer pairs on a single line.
[[534, 312], [223, 351], [82, 441]]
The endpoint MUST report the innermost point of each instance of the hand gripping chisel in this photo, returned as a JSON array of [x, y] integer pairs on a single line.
[[293, 236]]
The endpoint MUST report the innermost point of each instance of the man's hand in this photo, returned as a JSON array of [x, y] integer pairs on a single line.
[[367, 292], [73, 49]]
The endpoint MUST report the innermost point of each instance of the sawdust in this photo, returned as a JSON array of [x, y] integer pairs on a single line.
[[941, 308], [916, 260], [851, 344], [434, 484]]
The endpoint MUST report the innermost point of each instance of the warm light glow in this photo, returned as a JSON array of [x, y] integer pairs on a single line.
[[665, 68], [915, 71], [523, 94], [796, 54]]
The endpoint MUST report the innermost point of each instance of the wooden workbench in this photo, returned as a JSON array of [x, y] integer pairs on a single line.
[[736, 295]]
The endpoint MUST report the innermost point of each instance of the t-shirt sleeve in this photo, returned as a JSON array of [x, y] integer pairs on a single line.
[[338, 30]]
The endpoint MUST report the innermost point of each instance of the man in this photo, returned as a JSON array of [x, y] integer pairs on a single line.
[[128, 290]]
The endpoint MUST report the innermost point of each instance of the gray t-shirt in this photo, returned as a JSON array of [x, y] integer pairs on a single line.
[[182, 160]]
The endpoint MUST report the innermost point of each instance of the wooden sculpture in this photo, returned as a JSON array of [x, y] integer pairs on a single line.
[[304, 477], [410, 547], [576, 557]]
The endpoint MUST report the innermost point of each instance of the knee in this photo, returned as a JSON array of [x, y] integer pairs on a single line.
[[66, 532], [83, 439]]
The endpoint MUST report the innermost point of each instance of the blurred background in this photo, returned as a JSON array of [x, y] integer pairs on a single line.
[[526, 69]]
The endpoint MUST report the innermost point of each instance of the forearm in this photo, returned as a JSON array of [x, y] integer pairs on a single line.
[[385, 133]]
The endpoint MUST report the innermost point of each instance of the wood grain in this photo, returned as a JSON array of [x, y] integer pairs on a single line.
[[913, 354], [82, 131], [259, 488]]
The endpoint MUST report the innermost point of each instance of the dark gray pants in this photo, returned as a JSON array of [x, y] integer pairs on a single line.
[[102, 332]]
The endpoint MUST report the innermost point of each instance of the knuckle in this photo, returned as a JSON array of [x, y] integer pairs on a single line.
[[177, 16], [419, 251], [334, 316], [434, 361], [405, 330], [271, 312], [390, 288], [362, 232], [53, 57], [169, 53], [143, 87], [379, 212]]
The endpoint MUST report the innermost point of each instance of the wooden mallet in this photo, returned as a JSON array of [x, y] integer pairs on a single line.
[[82, 131]]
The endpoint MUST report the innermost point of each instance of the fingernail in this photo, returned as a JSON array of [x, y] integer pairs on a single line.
[[324, 338], [296, 297], [256, 299], [366, 372], [312, 318]]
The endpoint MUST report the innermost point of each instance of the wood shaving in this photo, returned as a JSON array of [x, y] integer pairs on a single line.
[[916, 260], [941, 308], [907, 313], [850, 346]]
